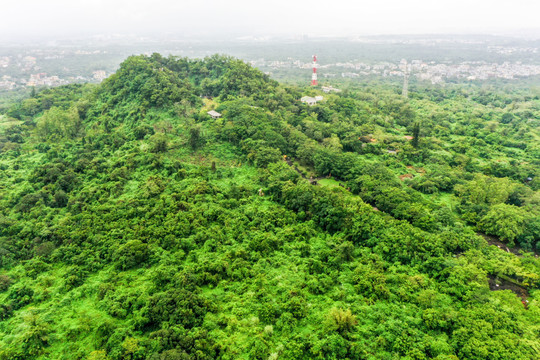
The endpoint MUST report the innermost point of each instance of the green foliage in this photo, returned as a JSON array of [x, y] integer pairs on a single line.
[[509, 222], [56, 123], [131, 254], [341, 320], [194, 137], [181, 307], [62, 97], [5, 281], [132, 226], [61, 198], [159, 143], [415, 134], [142, 130]]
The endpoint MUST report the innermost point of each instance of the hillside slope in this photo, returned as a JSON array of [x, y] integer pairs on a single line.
[[135, 226]]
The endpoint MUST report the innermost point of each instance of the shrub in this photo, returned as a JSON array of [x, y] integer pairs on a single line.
[[142, 130], [19, 296], [131, 254], [60, 199], [5, 282], [341, 320], [178, 306]]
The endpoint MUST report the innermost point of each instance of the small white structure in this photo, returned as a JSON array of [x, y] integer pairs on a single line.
[[328, 89], [311, 100], [214, 114], [308, 100]]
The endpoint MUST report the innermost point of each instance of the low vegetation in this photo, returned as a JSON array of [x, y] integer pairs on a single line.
[[135, 226]]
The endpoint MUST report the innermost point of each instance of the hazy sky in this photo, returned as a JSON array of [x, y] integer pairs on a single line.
[[37, 18]]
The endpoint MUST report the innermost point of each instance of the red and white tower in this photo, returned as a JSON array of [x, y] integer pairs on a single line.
[[314, 75]]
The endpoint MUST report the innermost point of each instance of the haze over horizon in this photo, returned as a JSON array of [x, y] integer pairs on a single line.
[[29, 20]]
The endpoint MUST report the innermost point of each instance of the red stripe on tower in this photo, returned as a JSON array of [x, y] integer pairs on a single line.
[[314, 75]]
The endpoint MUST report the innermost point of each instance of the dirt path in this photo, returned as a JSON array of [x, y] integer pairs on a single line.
[[496, 283], [499, 283], [492, 240]]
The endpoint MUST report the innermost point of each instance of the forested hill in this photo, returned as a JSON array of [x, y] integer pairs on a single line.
[[135, 226]]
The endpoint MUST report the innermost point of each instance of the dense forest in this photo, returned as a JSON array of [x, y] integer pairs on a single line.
[[369, 226]]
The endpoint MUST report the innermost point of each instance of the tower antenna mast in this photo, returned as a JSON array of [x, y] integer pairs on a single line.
[[314, 75]]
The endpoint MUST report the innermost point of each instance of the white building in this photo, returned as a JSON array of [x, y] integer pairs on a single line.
[[214, 114], [328, 89], [311, 100]]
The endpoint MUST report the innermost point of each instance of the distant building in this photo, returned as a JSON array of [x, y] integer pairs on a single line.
[[99, 75], [308, 100], [328, 89], [214, 114], [311, 100]]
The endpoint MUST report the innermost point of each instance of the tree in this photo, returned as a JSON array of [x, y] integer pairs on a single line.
[[5, 281], [142, 130], [341, 320], [56, 124], [194, 136], [60, 198], [131, 254], [160, 143], [416, 134], [265, 155], [505, 221]]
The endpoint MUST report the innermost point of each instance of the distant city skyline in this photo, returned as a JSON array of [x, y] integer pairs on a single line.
[[35, 19]]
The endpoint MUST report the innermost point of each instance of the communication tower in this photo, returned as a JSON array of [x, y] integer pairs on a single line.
[[314, 75]]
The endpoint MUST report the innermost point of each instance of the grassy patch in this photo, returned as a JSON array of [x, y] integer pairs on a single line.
[[331, 183]]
